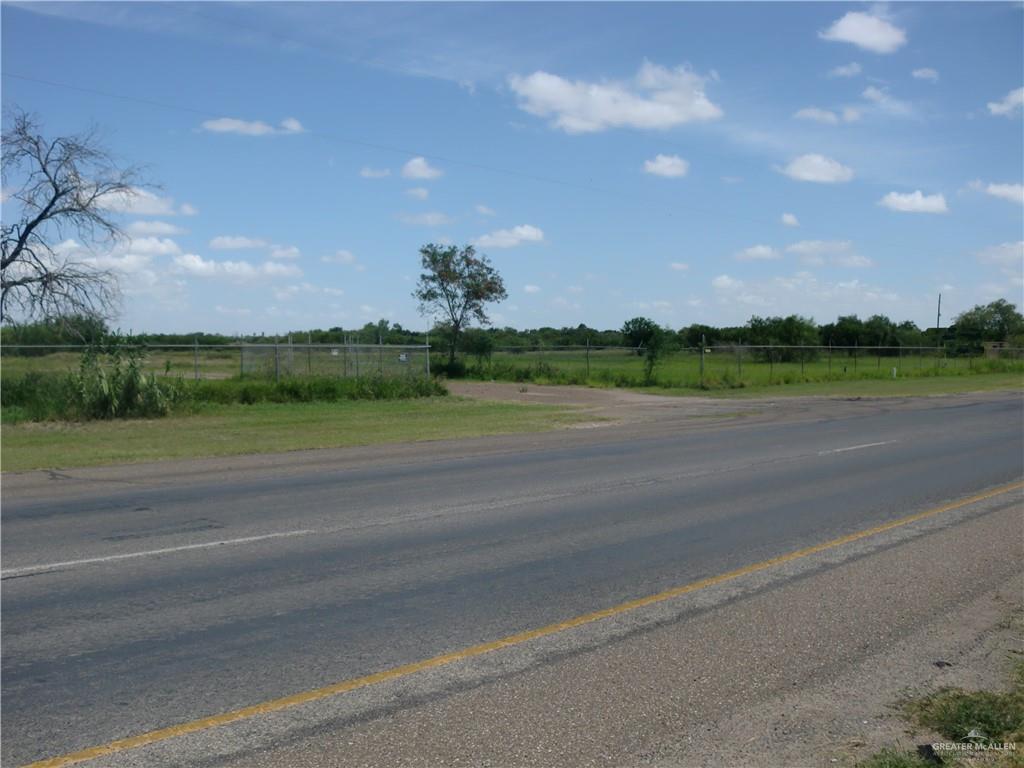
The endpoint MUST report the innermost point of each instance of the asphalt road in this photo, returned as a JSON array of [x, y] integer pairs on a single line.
[[128, 609]]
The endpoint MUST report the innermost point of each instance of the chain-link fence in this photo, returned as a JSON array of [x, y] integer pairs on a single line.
[[731, 365], [224, 361]]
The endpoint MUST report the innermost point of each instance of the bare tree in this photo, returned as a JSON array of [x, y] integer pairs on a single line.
[[62, 187]]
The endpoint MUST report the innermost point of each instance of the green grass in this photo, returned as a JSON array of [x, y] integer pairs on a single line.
[[229, 430], [724, 370], [916, 386], [954, 713]]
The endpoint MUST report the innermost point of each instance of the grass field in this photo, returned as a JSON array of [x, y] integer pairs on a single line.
[[267, 428], [905, 387], [727, 369]]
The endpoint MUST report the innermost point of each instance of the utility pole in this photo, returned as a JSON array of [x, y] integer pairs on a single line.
[[938, 333]]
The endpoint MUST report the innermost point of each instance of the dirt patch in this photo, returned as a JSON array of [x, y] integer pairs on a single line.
[[608, 406]]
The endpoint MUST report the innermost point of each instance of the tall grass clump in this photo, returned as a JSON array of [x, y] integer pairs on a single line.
[[116, 386]]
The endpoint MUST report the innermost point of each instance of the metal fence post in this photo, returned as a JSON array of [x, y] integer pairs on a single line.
[[241, 360], [588, 357], [702, 361], [830, 359], [428, 354], [771, 364], [309, 354], [195, 357], [855, 357], [277, 362], [739, 362]]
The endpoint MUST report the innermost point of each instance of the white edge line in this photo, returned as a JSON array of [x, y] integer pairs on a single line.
[[109, 558], [855, 447]]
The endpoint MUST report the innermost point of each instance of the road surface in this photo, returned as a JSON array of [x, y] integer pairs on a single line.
[[133, 604]]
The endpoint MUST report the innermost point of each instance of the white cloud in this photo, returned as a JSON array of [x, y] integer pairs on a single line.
[[236, 243], [575, 289], [509, 238], [187, 209], [926, 73], [284, 252], [374, 173], [251, 127], [818, 115], [419, 168], [679, 266], [790, 220], [656, 98], [852, 260], [758, 253], [153, 228], [886, 103], [483, 210], [232, 311], [194, 264], [1012, 102], [914, 202], [846, 70], [420, 193], [153, 246], [289, 292], [1006, 254], [818, 297], [827, 116], [340, 257], [724, 282], [431, 219], [871, 33], [1012, 192], [531, 288], [818, 168], [138, 201], [1009, 258], [671, 166], [838, 252]]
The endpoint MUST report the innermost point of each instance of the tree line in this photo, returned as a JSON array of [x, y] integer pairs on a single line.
[[997, 321]]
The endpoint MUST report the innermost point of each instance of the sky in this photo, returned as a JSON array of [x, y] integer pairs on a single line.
[[688, 162]]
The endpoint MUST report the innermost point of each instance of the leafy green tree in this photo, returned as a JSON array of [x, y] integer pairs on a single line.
[[997, 321], [639, 332], [455, 287]]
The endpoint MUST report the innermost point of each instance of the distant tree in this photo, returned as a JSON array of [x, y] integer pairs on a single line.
[[455, 287], [62, 187], [478, 343], [657, 345], [692, 335], [997, 321], [638, 332]]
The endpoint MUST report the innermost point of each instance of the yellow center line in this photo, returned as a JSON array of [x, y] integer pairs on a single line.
[[275, 705]]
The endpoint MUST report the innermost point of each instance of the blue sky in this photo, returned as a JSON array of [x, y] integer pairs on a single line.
[[687, 162]]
